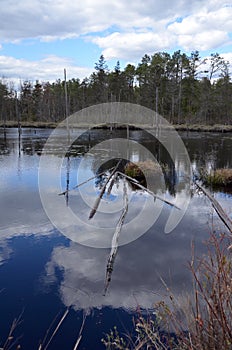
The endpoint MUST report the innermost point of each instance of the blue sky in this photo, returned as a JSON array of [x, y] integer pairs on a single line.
[[39, 38]]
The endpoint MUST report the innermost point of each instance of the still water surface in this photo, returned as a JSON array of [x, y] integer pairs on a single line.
[[42, 271]]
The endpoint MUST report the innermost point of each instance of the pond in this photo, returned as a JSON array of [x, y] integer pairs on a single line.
[[49, 264]]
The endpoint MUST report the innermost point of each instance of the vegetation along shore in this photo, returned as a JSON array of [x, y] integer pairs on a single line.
[[185, 89]]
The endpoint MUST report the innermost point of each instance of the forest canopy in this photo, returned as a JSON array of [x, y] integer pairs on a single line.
[[182, 88]]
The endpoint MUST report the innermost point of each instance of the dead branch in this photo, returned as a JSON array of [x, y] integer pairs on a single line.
[[84, 182], [112, 183], [219, 210], [98, 200], [135, 182]]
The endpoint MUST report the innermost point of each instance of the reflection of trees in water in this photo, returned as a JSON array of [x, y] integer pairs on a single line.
[[209, 151], [4, 148], [168, 172]]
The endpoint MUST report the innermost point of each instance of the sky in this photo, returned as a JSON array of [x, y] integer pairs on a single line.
[[39, 38]]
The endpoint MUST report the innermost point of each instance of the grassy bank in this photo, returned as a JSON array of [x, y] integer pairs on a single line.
[[14, 124], [202, 127], [180, 127]]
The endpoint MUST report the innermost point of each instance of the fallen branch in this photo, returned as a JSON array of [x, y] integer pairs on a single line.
[[84, 182], [98, 200], [114, 243], [135, 182], [112, 183], [221, 213]]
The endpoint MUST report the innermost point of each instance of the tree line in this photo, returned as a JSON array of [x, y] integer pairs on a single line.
[[182, 88]]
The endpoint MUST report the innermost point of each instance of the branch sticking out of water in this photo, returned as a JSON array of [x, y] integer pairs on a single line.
[[135, 182], [98, 200], [112, 183], [114, 243], [84, 182], [221, 213]]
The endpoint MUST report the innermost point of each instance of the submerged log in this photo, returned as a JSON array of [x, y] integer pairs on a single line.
[[221, 213]]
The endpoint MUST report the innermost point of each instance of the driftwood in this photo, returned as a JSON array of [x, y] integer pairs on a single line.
[[98, 200], [219, 210], [135, 182], [114, 243]]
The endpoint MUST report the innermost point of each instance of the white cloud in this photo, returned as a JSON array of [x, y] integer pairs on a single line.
[[50, 68], [227, 57], [220, 20], [207, 28], [204, 30], [44, 18], [202, 41], [122, 29], [136, 274], [132, 45]]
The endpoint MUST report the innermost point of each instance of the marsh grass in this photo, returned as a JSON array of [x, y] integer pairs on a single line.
[[203, 322], [12, 341], [218, 177], [142, 170]]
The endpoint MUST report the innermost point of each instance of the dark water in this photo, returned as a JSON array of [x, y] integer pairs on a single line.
[[42, 271]]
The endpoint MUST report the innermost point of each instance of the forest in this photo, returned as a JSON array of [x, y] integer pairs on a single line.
[[183, 89]]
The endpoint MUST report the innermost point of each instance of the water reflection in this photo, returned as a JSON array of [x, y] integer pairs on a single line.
[[137, 271], [77, 272]]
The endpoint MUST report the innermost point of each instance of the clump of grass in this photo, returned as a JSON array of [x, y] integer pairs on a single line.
[[218, 178], [139, 170], [204, 323]]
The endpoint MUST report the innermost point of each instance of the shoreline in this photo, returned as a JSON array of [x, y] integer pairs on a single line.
[[180, 127]]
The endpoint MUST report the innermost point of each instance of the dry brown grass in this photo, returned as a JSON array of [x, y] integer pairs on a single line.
[[218, 177], [204, 322], [138, 170]]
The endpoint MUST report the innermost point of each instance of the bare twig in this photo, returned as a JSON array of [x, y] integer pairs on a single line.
[[56, 330], [48, 331], [135, 182], [98, 200], [80, 332], [84, 182], [112, 183]]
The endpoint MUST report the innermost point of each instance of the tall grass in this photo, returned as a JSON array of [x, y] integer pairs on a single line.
[[204, 322]]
